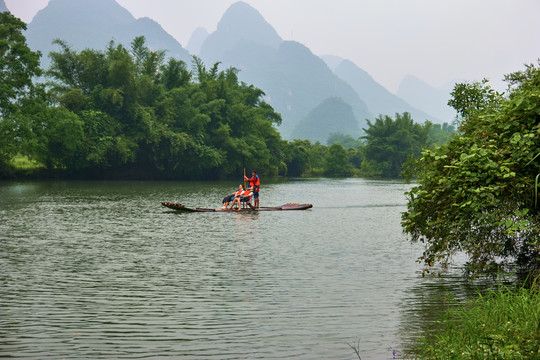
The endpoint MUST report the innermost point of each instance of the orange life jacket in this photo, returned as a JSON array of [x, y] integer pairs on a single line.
[[246, 193], [254, 181]]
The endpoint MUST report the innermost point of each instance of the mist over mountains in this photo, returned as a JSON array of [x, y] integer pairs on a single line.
[[196, 40], [294, 79], [3, 6], [297, 83], [93, 24], [380, 100], [240, 24], [333, 115], [433, 100]]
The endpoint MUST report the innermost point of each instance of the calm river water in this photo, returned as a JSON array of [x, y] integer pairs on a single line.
[[93, 270]]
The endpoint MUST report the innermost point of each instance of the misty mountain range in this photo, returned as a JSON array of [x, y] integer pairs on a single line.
[[93, 24], [307, 90]]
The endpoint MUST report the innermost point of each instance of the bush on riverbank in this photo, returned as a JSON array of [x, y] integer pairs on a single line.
[[478, 194], [501, 324]]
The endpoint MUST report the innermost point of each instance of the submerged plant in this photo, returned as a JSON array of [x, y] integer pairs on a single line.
[[356, 348]]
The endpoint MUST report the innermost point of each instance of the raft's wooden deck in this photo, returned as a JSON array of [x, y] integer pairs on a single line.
[[288, 206]]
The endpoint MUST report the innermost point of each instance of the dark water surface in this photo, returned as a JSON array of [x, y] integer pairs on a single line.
[[92, 270]]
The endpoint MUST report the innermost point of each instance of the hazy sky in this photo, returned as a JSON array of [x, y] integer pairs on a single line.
[[438, 41]]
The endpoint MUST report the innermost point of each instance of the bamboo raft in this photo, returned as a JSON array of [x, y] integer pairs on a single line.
[[288, 206]]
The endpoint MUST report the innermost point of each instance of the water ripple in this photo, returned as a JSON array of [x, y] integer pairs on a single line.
[[100, 270]]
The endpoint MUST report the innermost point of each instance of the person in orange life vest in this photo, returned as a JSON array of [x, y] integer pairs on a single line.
[[254, 182], [242, 195], [237, 196], [246, 197]]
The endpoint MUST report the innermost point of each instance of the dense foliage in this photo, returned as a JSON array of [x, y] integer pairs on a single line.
[[347, 141], [389, 142], [18, 64], [129, 111], [477, 194]]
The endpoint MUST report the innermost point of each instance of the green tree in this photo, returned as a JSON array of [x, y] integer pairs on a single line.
[[153, 118], [476, 194], [337, 162], [316, 159], [18, 65], [59, 143], [356, 156], [440, 134], [296, 156], [390, 142], [347, 141]]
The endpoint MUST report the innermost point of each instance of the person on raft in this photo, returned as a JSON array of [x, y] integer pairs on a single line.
[[242, 196], [227, 199], [247, 197], [254, 182]]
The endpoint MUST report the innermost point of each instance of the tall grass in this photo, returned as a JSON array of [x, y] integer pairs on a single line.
[[502, 324]]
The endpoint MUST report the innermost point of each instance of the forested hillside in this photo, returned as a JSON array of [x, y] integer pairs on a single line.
[[333, 115], [130, 113]]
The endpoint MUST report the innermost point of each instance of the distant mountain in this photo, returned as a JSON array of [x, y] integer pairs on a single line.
[[293, 78], [196, 40], [240, 23], [332, 115], [433, 100], [378, 99], [92, 24], [3, 7], [332, 61]]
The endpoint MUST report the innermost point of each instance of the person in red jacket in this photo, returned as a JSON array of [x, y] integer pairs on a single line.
[[254, 182]]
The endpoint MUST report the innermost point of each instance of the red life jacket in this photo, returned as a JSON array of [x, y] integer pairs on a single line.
[[246, 193], [255, 181]]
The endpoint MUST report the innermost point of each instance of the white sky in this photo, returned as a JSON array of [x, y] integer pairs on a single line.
[[438, 41]]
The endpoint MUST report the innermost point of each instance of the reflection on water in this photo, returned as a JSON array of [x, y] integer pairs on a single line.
[[101, 270]]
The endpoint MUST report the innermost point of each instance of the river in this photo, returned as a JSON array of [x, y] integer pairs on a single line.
[[95, 270]]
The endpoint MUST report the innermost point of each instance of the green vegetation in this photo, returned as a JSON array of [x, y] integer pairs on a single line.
[[24, 163], [440, 134], [347, 141], [130, 110], [18, 64], [132, 113], [501, 324], [337, 161], [476, 194], [390, 142]]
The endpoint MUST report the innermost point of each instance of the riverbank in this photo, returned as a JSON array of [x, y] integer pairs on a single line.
[[501, 324], [23, 168]]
